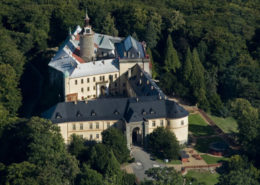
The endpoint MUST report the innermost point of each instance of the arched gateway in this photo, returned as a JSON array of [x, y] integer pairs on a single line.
[[136, 133]]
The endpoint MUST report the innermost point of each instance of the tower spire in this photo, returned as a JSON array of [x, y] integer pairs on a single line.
[[86, 19]]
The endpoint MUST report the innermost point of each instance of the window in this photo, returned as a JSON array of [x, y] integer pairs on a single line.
[[82, 89], [115, 75], [87, 88], [94, 87], [115, 84], [111, 78], [81, 135], [90, 136], [100, 78], [103, 78], [94, 79], [97, 125], [168, 123], [81, 126], [182, 122], [94, 96], [76, 82], [124, 54], [87, 80], [108, 124], [97, 136], [153, 123], [161, 123], [74, 127], [82, 81], [90, 126]]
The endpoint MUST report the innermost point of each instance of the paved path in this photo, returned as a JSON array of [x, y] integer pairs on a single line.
[[142, 162]]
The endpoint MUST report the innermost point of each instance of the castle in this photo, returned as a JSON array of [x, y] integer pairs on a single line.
[[106, 81]]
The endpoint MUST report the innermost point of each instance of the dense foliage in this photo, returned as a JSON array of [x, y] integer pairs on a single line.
[[207, 52], [163, 144], [239, 171]]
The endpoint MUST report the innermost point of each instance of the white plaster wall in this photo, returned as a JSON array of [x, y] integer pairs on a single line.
[[64, 131], [71, 87], [157, 124], [180, 131], [67, 130]]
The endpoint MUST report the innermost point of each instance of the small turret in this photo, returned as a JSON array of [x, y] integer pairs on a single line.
[[87, 41]]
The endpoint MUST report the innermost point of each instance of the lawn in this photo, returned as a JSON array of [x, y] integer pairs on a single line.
[[198, 126], [206, 177], [227, 125], [213, 160], [202, 144]]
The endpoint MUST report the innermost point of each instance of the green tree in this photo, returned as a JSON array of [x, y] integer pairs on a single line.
[[198, 81], [39, 142], [108, 26], [155, 67], [239, 172], [88, 176], [163, 143], [187, 67], [171, 59], [116, 141], [103, 160], [9, 54], [10, 95], [164, 176], [21, 174]]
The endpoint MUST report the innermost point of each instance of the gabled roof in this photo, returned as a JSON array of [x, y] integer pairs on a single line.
[[142, 83], [129, 44], [129, 109], [97, 67]]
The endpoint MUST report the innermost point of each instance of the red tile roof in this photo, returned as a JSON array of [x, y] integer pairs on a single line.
[[76, 54]]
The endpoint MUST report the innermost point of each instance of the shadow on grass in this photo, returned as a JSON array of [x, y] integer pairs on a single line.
[[198, 130], [202, 144]]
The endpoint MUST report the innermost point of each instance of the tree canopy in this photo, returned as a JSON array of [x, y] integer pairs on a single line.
[[163, 143]]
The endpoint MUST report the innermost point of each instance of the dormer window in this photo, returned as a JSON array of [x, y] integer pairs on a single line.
[[58, 115], [116, 112], [78, 114], [152, 111], [143, 112], [93, 113]]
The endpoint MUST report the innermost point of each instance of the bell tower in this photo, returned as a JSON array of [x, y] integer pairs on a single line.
[[87, 41]]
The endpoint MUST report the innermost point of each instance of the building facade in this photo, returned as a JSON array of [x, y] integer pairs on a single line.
[[106, 81]]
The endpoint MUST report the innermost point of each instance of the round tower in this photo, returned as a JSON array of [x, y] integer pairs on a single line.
[[87, 41]]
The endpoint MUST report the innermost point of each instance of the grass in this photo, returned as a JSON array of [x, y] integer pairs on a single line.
[[170, 162], [202, 144], [227, 125], [203, 177], [213, 160], [198, 126]]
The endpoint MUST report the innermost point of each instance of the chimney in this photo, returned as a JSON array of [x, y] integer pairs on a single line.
[[129, 73], [103, 62]]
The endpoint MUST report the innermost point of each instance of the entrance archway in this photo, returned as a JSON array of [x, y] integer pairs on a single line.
[[103, 90], [136, 136]]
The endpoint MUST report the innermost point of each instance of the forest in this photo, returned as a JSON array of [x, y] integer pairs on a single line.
[[205, 52]]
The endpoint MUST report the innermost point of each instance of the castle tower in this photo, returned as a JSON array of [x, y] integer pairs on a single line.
[[87, 41]]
